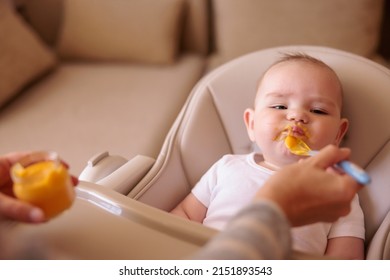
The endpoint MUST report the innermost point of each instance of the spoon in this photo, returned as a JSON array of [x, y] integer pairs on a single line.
[[300, 148]]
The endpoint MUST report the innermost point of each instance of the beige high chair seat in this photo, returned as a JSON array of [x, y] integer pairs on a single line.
[[211, 125]]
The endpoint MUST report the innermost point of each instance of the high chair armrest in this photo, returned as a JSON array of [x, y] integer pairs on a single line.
[[101, 165], [115, 172]]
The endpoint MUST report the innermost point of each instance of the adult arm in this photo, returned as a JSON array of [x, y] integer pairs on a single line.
[[260, 231]]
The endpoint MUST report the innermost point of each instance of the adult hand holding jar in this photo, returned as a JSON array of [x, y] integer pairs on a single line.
[[14, 208]]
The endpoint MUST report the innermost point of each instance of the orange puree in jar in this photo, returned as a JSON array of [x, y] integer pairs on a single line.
[[44, 184]]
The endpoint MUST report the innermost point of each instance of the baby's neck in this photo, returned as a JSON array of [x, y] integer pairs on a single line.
[[268, 165]]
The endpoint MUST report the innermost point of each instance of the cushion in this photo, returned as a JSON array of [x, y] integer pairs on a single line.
[[23, 56], [249, 25], [146, 31], [45, 24], [196, 37]]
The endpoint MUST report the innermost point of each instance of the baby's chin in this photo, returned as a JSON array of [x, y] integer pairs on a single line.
[[281, 156], [287, 159]]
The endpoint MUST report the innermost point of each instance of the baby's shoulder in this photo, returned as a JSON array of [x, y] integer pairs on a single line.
[[234, 159]]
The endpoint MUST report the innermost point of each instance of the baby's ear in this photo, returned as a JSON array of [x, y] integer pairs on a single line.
[[249, 123], [343, 128]]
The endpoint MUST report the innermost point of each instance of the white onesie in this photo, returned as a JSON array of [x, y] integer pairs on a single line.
[[231, 183]]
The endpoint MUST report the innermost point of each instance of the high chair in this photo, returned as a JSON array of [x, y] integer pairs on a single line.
[[209, 126]]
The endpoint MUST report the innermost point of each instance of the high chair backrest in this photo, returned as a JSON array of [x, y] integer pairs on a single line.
[[211, 125]]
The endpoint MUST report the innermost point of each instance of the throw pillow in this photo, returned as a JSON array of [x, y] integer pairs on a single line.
[[23, 56], [249, 25], [146, 31]]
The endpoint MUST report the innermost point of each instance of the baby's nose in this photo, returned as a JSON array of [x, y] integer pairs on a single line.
[[297, 116]]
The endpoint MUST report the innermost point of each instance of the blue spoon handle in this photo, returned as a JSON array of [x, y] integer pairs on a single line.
[[355, 172], [352, 170]]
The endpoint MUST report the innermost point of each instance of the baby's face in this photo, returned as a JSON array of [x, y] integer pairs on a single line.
[[303, 96]]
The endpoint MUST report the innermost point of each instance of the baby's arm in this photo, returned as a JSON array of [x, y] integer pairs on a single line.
[[191, 208], [345, 248]]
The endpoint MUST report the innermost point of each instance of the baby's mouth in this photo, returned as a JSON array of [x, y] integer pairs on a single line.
[[293, 137], [297, 131]]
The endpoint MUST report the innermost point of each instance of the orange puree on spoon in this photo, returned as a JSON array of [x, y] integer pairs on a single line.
[[296, 146]]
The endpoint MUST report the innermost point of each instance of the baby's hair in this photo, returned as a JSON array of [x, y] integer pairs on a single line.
[[300, 56]]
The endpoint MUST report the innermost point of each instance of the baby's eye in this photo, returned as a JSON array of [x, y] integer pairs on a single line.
[[319, 111], [279, 107]]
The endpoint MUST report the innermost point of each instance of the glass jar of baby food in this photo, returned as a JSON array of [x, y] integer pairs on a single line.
[[42, 180]]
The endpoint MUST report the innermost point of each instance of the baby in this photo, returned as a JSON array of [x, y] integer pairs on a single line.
[[298, 96]]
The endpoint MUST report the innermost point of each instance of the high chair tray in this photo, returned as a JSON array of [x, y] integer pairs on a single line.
[[103, 224]]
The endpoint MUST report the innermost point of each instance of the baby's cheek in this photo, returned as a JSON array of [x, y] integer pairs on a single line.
[[319, 141]]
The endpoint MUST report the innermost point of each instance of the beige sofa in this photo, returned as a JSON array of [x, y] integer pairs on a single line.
[[90, 85], [81, 102], [86, 76]]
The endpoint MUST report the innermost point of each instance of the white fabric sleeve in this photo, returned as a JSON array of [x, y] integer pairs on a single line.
[[350, 225]]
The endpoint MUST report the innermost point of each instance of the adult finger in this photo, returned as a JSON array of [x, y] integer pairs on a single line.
[[20, 211], [75, 180], [329, 156], [351, 187], [12, 158]]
